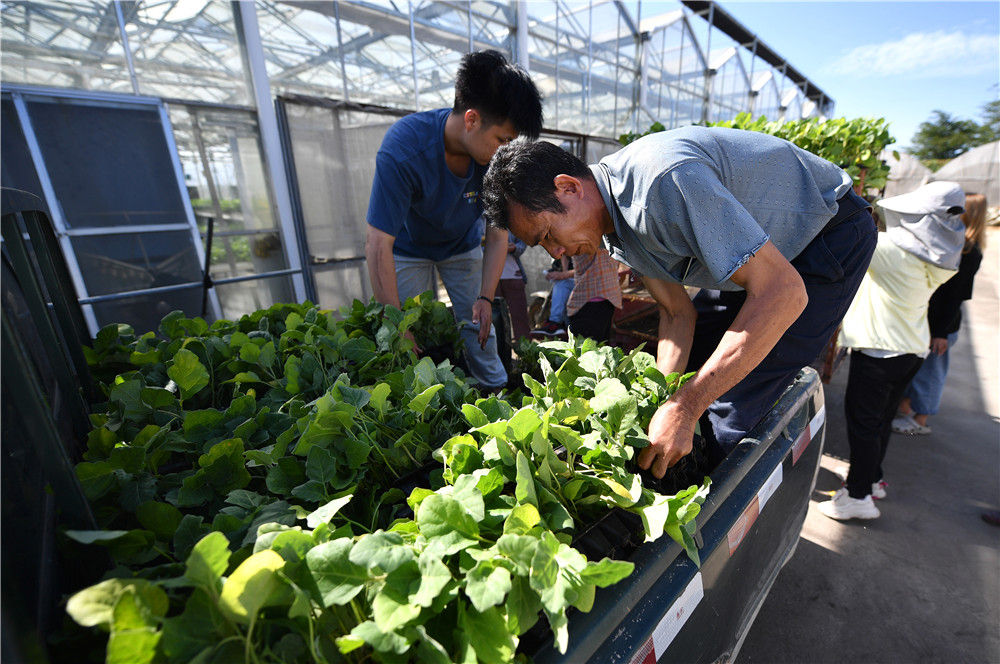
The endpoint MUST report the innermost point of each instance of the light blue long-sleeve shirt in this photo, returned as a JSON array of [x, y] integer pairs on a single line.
[[692, 205]]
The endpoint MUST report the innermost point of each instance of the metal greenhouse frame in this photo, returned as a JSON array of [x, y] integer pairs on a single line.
[[216, 70]]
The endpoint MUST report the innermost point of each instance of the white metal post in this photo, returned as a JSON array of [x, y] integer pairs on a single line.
[[55, 209], [413, 60], [267, 121], [521, 42], [126, 47]]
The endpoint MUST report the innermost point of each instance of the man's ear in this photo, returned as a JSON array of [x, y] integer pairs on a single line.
[[567, 185], [472, 120]]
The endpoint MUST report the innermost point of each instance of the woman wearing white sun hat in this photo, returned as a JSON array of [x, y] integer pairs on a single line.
[[886, 330]]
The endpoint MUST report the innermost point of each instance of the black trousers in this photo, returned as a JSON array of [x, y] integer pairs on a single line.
[[832, 267], [593, 320], [874, 389]]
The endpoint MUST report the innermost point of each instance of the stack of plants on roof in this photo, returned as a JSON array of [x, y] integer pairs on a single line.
[[291, 487]]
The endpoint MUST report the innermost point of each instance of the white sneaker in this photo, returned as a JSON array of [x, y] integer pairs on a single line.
[[905, 424], [842, 507], [878, 489]]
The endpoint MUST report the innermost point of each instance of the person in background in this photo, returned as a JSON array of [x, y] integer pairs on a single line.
[[944, 316], [424, 214], [713, 208], [886, 331], [561, 274], [597, 292], [511, 288]]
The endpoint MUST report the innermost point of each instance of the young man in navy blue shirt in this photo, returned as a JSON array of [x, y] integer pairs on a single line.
[[425, 214]]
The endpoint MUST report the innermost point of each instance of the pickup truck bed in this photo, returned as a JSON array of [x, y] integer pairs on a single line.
[[669, 610]]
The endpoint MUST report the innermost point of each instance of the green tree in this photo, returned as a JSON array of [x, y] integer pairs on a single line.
[[990, 129], [945, 137]]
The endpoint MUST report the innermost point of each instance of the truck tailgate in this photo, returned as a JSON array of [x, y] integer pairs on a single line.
[[668, 610]]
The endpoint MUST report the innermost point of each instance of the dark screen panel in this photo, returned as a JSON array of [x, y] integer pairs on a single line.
[[109, 166]]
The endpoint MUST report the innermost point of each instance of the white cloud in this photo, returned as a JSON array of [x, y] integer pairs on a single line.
[[922, 55]]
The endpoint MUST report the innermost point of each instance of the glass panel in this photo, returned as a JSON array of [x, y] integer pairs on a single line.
[[64, 44], [302, 48], [340, 284], [730, 94], [187, 49], [144, 312], [133, 261], [246, 297], [223, 166], [334, 152], [17, 171], [598, 149], [676, 76], [109, 166]]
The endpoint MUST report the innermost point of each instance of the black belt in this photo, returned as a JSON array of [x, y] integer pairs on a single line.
[[848, 205]]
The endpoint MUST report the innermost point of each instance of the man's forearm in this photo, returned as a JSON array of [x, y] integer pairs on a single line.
[[494, 256], [676, 332], [757, 328], [382, 271]]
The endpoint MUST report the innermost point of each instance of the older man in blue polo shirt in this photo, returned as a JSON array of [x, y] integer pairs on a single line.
[[775, 235]]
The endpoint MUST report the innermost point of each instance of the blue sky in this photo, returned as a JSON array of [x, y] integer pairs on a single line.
[[897, 60]]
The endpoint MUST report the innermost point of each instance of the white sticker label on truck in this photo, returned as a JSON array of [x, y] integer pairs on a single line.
[[671, 622], [753, 510], [770, 486], [808, 434]]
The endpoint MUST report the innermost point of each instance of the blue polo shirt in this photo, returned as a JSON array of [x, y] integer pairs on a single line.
[[692, 205], [415, 197]]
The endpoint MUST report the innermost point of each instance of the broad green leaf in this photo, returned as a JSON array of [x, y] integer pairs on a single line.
[[525, 488], [474, 416], [521, 519], [487, 584], [349, 643], [435, 575], [338, 579], [392, 607], [493, 643], [380, 641], [96, 478], [96, 536], [524, 422], [328, 511], [94, 606], [188, 372], [420, 402], [161, 518], [466, 491], [544, 567], [380, 393], [132, 646], [200, 626], [522, 606], [208, 561], [444, 520], [608, 393], [607, 572], [248, 588], [292, 374], [321, 465], [382, 550]]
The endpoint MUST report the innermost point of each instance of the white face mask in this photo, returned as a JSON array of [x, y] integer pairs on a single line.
[[936, 237]]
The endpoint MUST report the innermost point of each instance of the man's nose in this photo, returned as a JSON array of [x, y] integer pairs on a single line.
[[554, 250]]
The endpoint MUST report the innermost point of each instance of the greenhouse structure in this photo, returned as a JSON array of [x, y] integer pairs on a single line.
[[173, 139]]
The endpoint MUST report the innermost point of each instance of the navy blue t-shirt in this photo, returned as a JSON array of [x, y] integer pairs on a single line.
[[415, 197]]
